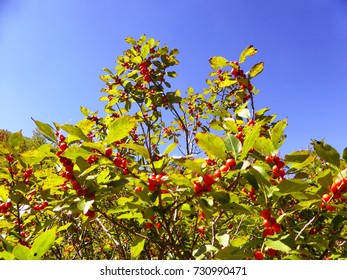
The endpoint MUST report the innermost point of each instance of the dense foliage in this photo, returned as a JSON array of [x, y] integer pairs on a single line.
[[166, 175]]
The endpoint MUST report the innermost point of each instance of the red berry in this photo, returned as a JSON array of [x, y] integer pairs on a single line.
[[258, 255], [230, 162], [90, 214], [198, 188], [266, 223], [8, 204], [10, 158], [276, 227], [108, 151], [268, 232], [269, 159], [275, 168], [218, 174], [138, 189], [148, 225], [208, 179], [326, 197], [63, 146], [265, 214], [224, 168], [271, 252]]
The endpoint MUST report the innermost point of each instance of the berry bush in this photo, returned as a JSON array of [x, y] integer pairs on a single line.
[[162, 174]]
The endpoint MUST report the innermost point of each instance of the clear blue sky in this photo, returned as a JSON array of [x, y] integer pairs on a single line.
[[52, 53]]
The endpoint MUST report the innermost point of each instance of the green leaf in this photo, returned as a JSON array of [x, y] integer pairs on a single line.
[[22, 252], [180, 180], [232, 144], [249, 51], [256, 69], [137, 247], [291, 186], [40, 247], [203, 250], [221, 196], [240, 208], [120, 128], [145, 51], [212, 144], [6, 255], [344, 154], [43, 243], [264, 146], [250, 139], [191, 164], [277, 135], [227, 83], [170, 148], [140, 150], [223, 238], [32, 157], [136, 59], [277, 245], [299, 159], [324, 178], [64, 227], [218, 62], [326, 152], [103, 177], [46, 130], [75, 152], [230, 253], [16, 139], [75, 131]]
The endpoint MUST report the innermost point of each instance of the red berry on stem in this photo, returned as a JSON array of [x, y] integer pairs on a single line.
[[258, 255], [208, 179]]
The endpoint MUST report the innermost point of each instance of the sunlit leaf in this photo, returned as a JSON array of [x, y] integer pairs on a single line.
[[137, 247], [326, 152], [46, 130], [218, 62], [256, 69], [249, 51], [232, 144], [120, 128], [212, 144]]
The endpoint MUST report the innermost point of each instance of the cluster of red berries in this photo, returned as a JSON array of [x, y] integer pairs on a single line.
[[205, 186], [201, 231], [155, 181], [68, 167], [338, 188], [40, 206], [258, 255], [90, 214], [277, 168], [5, 206], [237, 72], [270, 223], [229, 164], [251, 194], [26, 175], [144, 71], [9, 158], [120, 161], [92, 159], [150, 224]]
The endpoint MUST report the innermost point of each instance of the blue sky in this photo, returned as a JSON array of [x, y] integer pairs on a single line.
[[52, 53]]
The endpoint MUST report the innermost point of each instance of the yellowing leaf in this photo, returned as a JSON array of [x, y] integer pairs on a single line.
[[212, 144], [120, 128], [256, 69], [249, 51], [218, 62]]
